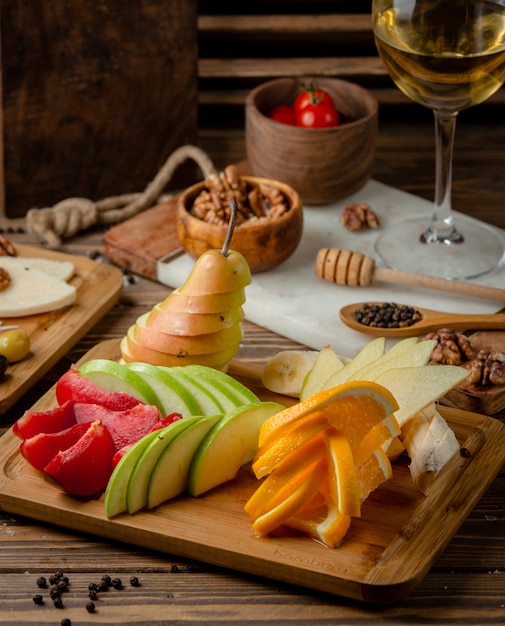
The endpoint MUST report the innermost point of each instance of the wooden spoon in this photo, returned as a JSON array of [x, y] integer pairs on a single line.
[[431, 321]]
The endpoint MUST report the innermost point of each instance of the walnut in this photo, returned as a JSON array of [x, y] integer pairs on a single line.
[[262, 202], [497, 369], [6, 247], [359, 216], [487, 368], [5, 279], [452, 348]]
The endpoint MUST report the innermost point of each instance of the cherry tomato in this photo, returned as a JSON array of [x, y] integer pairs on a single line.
[[317, 116], [284, 114], [311, 97]]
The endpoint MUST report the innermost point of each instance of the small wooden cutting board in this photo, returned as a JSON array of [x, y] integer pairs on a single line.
[[52, 334], [140, 242]]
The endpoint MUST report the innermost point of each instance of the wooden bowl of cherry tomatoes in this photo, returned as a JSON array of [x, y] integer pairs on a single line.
[[317, 135]]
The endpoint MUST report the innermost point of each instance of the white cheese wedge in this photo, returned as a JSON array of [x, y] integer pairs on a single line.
[[33, 291], [59, 269]]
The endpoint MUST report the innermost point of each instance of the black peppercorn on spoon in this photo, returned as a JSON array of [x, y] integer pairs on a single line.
[[430, 321]]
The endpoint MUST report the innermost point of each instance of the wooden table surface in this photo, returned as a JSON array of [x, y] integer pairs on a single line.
[[466, 584]]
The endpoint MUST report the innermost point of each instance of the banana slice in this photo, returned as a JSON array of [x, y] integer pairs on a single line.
[[285, 372]]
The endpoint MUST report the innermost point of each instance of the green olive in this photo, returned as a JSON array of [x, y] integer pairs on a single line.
[[14, 344]]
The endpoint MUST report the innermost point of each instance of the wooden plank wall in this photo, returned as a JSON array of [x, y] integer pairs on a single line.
[[244, 44]]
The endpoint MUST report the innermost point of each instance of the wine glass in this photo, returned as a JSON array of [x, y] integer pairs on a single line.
[[447, 55]]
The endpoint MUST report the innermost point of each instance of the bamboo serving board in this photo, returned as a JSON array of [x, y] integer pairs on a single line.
[[53, 334], [384, 556]]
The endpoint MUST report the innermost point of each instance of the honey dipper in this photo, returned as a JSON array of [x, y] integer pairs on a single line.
[[345, 267]]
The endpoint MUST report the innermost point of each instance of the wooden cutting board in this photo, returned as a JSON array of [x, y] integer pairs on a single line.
[[488, 399], [140, 242], [53, 334], [384, 556]]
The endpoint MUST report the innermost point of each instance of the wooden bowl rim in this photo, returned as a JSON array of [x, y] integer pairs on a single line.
[[250, 103]]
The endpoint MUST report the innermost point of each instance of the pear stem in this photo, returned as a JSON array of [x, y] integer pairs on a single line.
[[231, 226]]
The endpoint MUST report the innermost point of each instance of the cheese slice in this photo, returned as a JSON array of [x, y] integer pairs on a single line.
[[33, 291], [59, 269]]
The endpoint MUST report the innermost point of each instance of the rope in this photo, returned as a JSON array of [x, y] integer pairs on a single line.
[[69, 216]]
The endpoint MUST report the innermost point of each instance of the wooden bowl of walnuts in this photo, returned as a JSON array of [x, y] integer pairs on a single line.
[[269, 224], [323, 164]]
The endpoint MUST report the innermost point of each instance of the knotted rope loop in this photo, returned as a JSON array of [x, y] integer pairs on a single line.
[[68, 217]]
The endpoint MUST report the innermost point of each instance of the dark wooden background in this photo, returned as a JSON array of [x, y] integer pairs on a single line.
[[96, 95]]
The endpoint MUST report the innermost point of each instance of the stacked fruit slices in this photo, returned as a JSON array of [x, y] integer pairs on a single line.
[[320, 459]]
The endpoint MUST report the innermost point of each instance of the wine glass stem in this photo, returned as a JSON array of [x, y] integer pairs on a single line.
[[442, 229]]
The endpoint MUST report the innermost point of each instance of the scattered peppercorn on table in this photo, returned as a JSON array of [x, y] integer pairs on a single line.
[[103, 581]]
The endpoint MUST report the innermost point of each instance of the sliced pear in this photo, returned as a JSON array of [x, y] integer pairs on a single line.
[[112, 376], [151, 337], [204, 303], [229, 444], [215, 272], [326, 365], [193, 324], [169, 476], [132, 351]]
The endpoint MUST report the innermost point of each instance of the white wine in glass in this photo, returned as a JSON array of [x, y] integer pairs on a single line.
[[447, 55]]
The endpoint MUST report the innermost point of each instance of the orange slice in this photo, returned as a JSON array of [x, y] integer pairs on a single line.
[[281, 483], [385, 430], [372, 472], [321, 458], [269, 456], [278, 515], [342, 406], [357, 415], [321, 521], [343, 479]]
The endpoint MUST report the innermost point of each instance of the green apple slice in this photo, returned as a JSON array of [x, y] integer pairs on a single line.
[[327, 364], [115, 493], [169, 476], [112, 376], [400, 346], [174, 397], [206, 400], [414, 388], [415, 356], [229, 391], [369, 352], [136, 490], [228, 445]]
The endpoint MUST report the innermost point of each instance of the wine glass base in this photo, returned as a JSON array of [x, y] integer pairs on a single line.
[[482, 250]]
